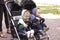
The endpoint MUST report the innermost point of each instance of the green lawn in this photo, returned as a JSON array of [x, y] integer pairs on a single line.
[[55, 9]]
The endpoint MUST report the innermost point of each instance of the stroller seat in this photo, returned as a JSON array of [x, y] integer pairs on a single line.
[[15, 10], [16, 16]]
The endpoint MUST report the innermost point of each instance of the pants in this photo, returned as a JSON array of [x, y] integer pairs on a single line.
[[3, 9]]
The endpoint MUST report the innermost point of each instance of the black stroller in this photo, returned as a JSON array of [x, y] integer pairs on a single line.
[[14, 12]]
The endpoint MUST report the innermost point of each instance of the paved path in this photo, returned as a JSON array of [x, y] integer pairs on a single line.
[[54, 32]]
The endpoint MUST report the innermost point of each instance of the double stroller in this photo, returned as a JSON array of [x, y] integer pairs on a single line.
[[14, 12]]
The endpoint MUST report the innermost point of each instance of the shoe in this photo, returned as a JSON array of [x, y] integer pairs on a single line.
[[1, 34], [46, 29], [8, 31]]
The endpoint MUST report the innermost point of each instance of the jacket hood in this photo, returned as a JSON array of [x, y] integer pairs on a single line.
[[22, 13], [34, 11]]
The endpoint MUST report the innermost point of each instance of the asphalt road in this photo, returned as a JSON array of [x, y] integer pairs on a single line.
[[53, 33]]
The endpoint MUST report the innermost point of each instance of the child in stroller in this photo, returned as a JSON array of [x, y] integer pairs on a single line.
[[12, 8], [38, 22], [25, 30], [36, 18]]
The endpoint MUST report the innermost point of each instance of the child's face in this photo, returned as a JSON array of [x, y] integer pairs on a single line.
[[38, 12], [27, 15]]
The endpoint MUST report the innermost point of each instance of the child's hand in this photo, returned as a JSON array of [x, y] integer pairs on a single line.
[[25, 25], [38, 18]]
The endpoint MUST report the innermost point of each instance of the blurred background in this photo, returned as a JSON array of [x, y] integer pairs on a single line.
[[48, 6]]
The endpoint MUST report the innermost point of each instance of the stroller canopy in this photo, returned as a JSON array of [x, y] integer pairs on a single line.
[[28, 4]]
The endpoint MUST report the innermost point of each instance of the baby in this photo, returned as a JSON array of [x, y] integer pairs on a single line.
[[38, 22], [24, 24]]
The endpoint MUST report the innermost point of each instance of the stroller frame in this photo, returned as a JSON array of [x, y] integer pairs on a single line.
[[12, 21]]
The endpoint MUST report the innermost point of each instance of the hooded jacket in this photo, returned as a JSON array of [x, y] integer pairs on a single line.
[[22, 20], [35, 21], [33, 16]]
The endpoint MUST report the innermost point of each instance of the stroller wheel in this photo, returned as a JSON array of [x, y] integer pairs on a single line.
[[45, 38]]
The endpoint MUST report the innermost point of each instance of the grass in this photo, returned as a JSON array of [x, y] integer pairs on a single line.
[[55, 9]]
